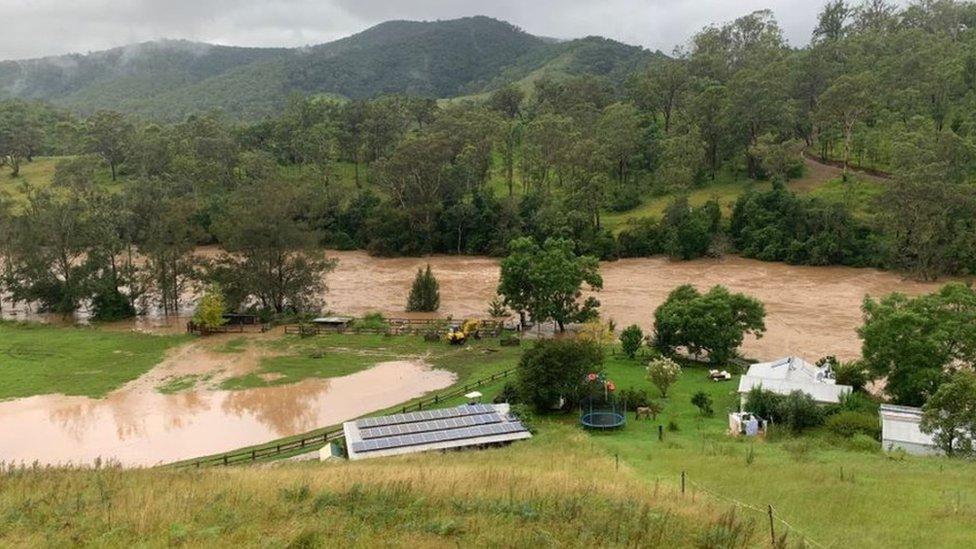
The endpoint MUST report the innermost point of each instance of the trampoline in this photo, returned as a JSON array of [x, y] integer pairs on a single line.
[[602, 413]]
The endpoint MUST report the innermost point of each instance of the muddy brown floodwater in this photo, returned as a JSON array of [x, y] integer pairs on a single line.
[[811, 311], [138, 426]]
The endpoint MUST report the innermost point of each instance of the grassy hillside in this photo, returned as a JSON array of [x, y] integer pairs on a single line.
[[515, 497], [170, 79]]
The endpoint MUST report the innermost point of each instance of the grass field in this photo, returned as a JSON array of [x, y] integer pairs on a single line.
[[294, 358], [836, 495], [563, 487], [37, 359], [557, 492]]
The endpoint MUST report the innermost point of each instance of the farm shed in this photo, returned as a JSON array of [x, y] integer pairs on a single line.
[[900, 430], [470, 425], [790, 374]]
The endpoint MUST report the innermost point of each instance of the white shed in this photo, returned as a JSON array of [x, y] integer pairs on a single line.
[[790, 374], [900, 429]]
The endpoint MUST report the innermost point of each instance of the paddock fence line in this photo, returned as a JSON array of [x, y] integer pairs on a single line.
[[769, 511], [321, 438]]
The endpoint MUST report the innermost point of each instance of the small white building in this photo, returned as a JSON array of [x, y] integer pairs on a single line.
[[900, 430], [790, 374]]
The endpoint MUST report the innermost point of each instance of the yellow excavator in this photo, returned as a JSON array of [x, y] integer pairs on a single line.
[[458, 335]]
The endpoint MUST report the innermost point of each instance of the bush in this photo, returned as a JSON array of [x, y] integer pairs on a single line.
[[673, 426], [635, 398], [848, 424], [509, 394], [853, 373], [371, 321], [863, 443], [799, 411], [764, 404], [555, 369], [631, 340], [663, 372], [703, 402], [796, 412]]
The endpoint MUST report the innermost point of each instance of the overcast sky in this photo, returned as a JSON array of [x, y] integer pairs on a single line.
[[33, 28]]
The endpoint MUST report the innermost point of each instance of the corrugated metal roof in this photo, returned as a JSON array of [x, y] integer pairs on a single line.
[[794, 374]]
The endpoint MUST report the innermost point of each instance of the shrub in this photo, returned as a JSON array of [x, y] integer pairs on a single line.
[[663, 372], [635, 398], [554, 369], [764, 404], [210, 310], [631, 339], [703, 402], [673, 426], [863, 443], [796, 412], [858, 402], [853, 373], [509, 394], [799, 411], [371, 321], [425, 293], [848, 424]]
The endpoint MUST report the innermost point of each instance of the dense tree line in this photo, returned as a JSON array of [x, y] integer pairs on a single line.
[[879, 86]]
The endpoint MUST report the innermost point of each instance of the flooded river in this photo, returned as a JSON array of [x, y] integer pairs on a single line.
[[811, 311]]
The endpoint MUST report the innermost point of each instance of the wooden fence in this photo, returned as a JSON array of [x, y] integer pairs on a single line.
[[393, 326], [321, 438]]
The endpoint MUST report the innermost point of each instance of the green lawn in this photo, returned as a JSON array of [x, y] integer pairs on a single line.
[[835, 495], [37, 359], [333, 355]]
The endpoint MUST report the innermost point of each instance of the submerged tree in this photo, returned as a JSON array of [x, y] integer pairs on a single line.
[[271, 260], [546, 282], [425, 295], [715, 322]]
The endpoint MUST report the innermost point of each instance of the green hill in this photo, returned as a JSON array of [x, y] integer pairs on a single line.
[[171, 79]]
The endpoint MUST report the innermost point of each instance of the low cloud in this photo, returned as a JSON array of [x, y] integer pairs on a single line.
[[34, 28]]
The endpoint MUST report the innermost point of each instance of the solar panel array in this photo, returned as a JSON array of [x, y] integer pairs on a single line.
[[438, 436], [427, 415], [427, 426]]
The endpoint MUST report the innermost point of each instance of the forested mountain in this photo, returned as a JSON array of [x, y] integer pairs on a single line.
[[690, 155], [171, 79]]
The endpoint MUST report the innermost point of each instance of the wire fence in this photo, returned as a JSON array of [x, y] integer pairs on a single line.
[[769, 511]]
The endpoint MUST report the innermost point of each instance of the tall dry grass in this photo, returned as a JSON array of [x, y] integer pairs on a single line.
[[538, 494]]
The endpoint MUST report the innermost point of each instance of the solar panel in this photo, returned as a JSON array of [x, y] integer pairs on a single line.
[[428, 426], [426, 415], [477, 431]]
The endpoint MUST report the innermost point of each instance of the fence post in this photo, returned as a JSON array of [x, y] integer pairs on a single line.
[[682, 483], [225, 459], [254, 455], [772, 530], [660, 432]]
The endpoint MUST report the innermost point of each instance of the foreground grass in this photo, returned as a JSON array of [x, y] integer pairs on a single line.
[[37, 359], [554, 491]]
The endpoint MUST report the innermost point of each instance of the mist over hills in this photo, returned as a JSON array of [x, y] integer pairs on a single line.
[[170, 79]]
